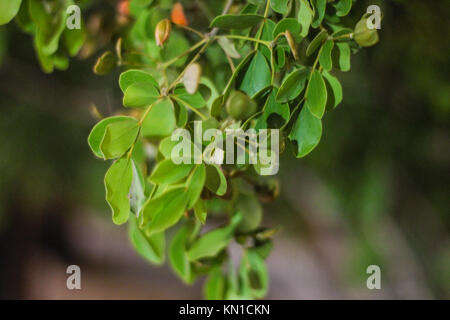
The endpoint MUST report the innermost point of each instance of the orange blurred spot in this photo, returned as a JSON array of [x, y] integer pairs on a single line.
[[178, 16], [123, 8]]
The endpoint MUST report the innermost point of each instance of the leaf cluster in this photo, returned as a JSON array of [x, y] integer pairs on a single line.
[[260, 64]]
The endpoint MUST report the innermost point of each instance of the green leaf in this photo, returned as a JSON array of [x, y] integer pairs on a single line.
[[167, 172], [151, 248], [117, 183], [275, 114], [175, 46], [23, 20], [319, 6], [207, 124], [228, 46], [316, 42], [290, 24], [211, 243], [98, 132], [306, 132], [131, 77], [342, 56], [251, 211], [177, 253], [236, 21], [305, 15], [254, 273], [141, 94], [50, 22], [195, 184], [200, 211], [160, 121], [246, 278], [325, 56], [316, 95], [267, 35], [46, 61], [279, 58], [195, 100], [166, 146], [74, 40], [181, 114], [232, 290], [214, 93], [343, 7], [8, 10], [118, 137], [251, 6], [137, 190], [293, 85], [214, 288], [334, 87], [280, 6], [258, 75], [60, 61], [215, 180], [164, 211], [243, 64], [217, 106], [106, 63], [138, 6]]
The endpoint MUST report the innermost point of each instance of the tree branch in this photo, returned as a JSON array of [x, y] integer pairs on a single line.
[[225, 10]]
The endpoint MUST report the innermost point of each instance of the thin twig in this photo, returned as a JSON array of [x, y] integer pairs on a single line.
[[196, 57], [198, 33], [191, 49], [201, 115], [225, 10], [230, 62], [235, 36]]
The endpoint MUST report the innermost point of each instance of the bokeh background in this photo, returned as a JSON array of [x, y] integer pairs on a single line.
[[375, 191]]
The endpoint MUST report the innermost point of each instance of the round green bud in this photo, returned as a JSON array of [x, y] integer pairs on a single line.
[[364, 36], [239, 106]]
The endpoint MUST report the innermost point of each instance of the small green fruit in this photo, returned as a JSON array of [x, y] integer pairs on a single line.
[[364, 36], [239, 106]]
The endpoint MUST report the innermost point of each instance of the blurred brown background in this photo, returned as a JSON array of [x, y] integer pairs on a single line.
[[375, 191]]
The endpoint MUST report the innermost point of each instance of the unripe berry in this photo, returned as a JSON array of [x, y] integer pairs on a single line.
[[364, 36], [239, 106]]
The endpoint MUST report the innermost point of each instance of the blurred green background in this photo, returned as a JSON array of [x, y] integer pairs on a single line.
[[375, 191]]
